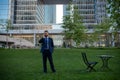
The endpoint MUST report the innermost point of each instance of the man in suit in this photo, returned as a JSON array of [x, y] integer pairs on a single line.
[[47, 50]]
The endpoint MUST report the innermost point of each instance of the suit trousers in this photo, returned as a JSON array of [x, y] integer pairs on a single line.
[[47, 55]]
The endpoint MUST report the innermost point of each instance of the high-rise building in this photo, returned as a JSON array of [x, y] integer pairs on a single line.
[[92, 11], [50, 14], [29, 14], [26, 14], [31, 17], [4, 5], [101, 11]]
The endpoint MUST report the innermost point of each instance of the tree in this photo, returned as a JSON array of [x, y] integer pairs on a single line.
[[8, 26], [1, 23], [104, 28], [114, 11], [73, 24]]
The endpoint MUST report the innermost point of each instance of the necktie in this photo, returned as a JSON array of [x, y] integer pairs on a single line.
[[47, 43]]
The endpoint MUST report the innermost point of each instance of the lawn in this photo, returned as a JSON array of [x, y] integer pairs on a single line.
[[26, 64]]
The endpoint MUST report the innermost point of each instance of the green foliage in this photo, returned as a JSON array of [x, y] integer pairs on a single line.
[[8, 25], [91, 38], [1, 21], [114, 10], [73, 25], [104, 26]]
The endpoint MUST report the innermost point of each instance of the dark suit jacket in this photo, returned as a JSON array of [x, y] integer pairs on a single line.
[[51, 44]]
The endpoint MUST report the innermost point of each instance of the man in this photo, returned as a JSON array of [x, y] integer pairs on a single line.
[[47, 50]]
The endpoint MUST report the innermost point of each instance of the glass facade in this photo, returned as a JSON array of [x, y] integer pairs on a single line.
[[29, 17], [101, 10], [92, 11], [4, 11], [26, 13], [50, 14]]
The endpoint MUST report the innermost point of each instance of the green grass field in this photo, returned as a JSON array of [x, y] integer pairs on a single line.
[[26, 64]]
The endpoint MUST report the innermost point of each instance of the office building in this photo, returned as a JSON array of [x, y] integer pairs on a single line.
[[31, 17], [25, 14], [92, 11], [50, 14]]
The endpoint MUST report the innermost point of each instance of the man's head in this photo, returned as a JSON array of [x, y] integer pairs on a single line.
[[46, 33]]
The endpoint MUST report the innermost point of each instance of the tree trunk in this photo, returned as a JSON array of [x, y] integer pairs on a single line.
[[112, 41]]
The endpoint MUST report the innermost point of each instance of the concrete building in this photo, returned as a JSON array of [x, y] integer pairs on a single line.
[[25, 14], [30, 18], [50, 14], [92, 11]]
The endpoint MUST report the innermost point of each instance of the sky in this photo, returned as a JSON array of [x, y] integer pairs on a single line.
[[3, 9], [59, 13]]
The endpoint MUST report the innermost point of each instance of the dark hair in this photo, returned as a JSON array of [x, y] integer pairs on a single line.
[[46, 31]]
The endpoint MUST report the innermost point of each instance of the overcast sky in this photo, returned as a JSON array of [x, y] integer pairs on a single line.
[[59, 13], [3, 9]]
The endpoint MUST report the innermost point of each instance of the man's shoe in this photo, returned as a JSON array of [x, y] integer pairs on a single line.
[[54, 71], [45, 72]]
